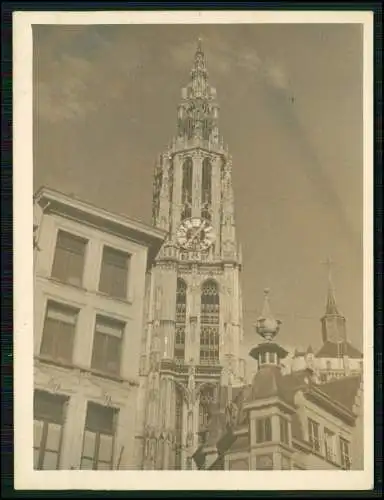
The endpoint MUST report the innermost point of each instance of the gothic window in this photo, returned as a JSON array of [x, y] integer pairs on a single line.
[[178, 427], [181, 308], [187, 188], [210, 317], [206, 189], [206, 399]]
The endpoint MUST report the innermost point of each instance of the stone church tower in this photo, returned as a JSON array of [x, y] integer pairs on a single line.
[[194, 311]]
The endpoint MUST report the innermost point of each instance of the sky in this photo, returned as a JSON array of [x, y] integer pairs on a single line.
[[290, 95]]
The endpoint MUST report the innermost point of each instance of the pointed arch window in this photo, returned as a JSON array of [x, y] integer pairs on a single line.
[[206, 189], [210, 321], [187, 188], [181, 309]]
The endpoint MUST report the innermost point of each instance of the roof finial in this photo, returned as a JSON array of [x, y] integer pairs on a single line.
[[267, 326]]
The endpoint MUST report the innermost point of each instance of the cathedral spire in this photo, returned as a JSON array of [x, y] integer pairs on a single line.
[[198, 111], [199, 73]]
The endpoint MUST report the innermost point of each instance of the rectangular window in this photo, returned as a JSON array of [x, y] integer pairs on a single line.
[[59, 332], [264, 462], [344, 454], [68, 263], [114, 273], [314, 434], [284, 430], [48, 423], [107, 344], [263, 430], [99, 436], [329, 444]]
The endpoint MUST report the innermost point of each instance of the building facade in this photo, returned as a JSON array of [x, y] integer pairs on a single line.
[[194, 312], [90, 268], [284, 421]]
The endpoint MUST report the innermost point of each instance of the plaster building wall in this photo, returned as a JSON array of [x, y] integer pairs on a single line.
[[78, 378]]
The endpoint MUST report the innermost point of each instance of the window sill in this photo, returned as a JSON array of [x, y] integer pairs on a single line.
[[57, 281], [127, 300], [70, 366]]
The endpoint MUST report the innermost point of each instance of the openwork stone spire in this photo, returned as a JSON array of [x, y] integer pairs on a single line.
[[198, 110]]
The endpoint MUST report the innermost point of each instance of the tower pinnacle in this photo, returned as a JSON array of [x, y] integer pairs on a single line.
[[333, 322]]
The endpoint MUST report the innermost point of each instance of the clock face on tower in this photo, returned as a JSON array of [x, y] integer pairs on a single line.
[[195, 234]]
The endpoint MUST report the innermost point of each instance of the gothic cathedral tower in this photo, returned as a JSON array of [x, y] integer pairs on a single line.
[[194, 310]]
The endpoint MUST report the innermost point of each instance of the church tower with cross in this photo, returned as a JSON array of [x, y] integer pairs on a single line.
[[191, 344]]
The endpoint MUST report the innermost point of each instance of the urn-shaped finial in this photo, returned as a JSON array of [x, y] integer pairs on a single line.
[[266, 325]]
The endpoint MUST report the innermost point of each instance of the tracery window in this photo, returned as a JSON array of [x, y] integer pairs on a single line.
[[206, 399], [181, 307], [210, 320], [206, 189], [186, 192]]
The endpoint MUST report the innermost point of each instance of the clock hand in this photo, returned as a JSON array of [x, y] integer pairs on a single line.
[[195, 233]]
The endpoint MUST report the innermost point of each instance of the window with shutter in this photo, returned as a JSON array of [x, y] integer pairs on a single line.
[[68, 263], [114, 273], [107, 345], [59, 332]]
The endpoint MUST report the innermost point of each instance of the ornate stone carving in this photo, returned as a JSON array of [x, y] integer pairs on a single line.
[[54, 385]]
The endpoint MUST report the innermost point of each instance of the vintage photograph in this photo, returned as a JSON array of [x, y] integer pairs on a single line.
[[198, 246]]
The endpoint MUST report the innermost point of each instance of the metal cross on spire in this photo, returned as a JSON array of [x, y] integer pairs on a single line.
[[329, 263]]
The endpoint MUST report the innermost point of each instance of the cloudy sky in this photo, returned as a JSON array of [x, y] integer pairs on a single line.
[[105, 101]]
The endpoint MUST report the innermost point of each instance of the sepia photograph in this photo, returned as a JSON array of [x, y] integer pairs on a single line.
[[195, 195]]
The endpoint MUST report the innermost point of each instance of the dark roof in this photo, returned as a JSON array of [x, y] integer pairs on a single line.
[[270, 382], [335, 349], [342, 390], [268, 347]]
